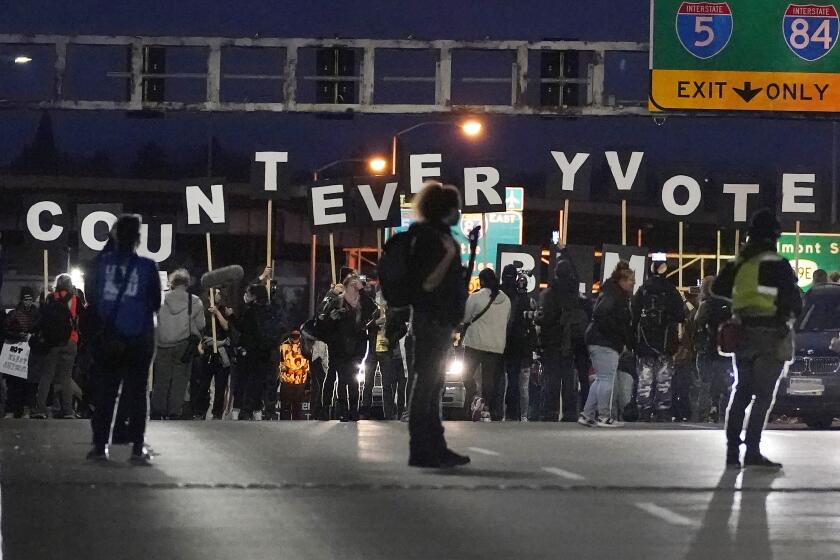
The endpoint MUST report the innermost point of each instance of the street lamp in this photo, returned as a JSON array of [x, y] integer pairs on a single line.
[[22, 59], [377, 164], [471, 128]]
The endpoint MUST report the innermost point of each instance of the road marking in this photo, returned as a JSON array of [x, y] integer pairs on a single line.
[[781, 433], [666, 514], [482, 451], [1, 522], [563, 473], [700, 426]]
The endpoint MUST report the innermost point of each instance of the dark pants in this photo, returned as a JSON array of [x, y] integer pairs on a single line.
[[211, 370], [407, 378], [759, 360], [513, 369], [317, 376], [492, 379], [254, 371], [432, 340], [291, 399], [20, 394], [131, 369], [347, 405], [559, 380], [390, 370], [713, 371]]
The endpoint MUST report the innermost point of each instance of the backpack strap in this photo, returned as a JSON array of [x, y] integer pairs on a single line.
[[482, 312]]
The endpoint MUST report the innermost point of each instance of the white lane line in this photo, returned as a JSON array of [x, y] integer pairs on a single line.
[[666, 514], [482, 451], [781, 433], [563, 473], [1, 523], [700, 426]]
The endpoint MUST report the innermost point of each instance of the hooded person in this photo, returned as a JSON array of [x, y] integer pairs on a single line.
[[485, 336], [519, 344], [658, 310], [180, 324], [18, 325], [562, 319], [765, 300], [712, 368]]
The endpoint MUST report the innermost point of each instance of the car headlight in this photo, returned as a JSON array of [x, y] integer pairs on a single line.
[[455, 369]]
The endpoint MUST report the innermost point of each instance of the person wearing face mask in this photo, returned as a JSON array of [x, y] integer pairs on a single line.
[[345, 320], [18, 325], [609, 333], [438, 307], [294, 376]]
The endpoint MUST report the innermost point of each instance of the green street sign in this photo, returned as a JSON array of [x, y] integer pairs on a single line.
[[767, 55], [816, 250]]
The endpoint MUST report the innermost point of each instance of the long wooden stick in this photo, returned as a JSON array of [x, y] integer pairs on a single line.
[[717, 254], [212, 293], [624, 222], [737, 242], [566, 217], [680, 275], [796, 249], [46, 274], [269, 231], [332, 258]]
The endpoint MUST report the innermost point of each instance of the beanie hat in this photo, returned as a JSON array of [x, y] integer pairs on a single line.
[[764, 225]]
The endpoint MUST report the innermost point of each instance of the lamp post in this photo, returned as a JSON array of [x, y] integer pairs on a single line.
[[377, 165]]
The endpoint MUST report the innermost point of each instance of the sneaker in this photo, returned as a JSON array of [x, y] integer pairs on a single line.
[[485, 416], [523, 419], [584, 421], [759, 460], [70, 416], [608, 423], [234, 414], [257, 416], [97, 455], [733, 460], [38, 416], [142, 459], [404, 417]]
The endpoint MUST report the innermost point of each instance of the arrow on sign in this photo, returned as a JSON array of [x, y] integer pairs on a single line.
[[747, 93]]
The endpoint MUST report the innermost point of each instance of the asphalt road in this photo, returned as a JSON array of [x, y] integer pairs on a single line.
[[323, 490]]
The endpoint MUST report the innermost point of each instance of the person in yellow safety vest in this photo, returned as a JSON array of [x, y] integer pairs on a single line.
[[294, 377], [765, 300]]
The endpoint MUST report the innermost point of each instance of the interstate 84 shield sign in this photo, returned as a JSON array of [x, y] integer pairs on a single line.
[[810, 31], [704, 28]]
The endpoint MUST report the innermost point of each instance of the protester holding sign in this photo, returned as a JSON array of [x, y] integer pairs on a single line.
[[18, 326], [124, 296]]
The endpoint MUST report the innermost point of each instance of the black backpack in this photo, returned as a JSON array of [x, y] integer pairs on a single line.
[[400, 285], [56, 323]]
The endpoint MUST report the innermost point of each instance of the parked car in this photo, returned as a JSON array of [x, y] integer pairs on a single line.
[[454, 392], [811, 388]]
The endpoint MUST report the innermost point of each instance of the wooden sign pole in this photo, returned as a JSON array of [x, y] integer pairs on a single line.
[[796, 249], [624, 222], [680, 273], [212, 294], [737, 242], [332, 258], [717, 254], [565, 232], [269, 231], [46, 274]]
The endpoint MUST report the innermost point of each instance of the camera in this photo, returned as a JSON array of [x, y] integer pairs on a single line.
[[522, 277]]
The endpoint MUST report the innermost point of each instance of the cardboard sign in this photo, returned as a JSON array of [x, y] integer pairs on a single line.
[[48, 221], [569, 176], [14, 359], [94, 223], [270, 175], [206, 207], [802, 196], [582, 258], [636, 256], [529, 255]]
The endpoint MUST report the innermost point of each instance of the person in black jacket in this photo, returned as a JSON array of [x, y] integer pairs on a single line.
[[609, 333], [519, 345], [563, 322], [765, 299], [345, 320], [437, 310], [658, 309], [714, 369]]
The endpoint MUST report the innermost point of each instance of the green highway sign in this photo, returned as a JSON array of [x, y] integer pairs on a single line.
[[767, 55], [816, 250]]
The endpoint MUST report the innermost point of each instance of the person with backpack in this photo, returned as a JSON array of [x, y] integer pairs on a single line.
[[124, 294], [421, 268], [180, 324], [765, 301], [658, 310], [607, 336], [563, 321], [215, 361], [484, 338], [57, 341], [344, 325], [714, 369]]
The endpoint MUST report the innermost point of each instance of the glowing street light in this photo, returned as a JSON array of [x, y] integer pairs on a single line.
[[377, 164], [471, 127], [22, 59]]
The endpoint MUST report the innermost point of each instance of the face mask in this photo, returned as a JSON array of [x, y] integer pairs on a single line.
[[453, 217]]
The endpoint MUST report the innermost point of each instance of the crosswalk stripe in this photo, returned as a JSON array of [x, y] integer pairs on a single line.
[[666, 514], [563, 473]]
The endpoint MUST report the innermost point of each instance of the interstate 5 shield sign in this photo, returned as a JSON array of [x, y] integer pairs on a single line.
[[704, 28], [810, 31]]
